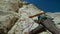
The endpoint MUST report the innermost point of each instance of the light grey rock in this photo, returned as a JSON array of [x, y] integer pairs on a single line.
[[29, 10], [56, 17], [19, 23], [9, 5]]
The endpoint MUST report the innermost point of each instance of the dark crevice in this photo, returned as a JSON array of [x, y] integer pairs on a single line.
[[13, 21]]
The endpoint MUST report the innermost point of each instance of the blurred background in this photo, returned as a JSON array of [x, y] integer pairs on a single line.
[[46, 5]]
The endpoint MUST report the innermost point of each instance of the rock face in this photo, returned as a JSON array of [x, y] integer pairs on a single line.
[[9, 5], [24, 24], [6, 22], [29, 10], [12, 22], [8, 16], [56, 17]]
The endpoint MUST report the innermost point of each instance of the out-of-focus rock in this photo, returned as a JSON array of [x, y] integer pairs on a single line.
[[8, 16], [9, 5], [29, 10], [15, 20], [56, 17], [45, 33], [25, 3], [22, 26], [25, 24], [6, 22]]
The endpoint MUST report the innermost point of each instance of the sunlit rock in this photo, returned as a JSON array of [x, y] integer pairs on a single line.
[[29, 10], [14, 17], [9, 5]]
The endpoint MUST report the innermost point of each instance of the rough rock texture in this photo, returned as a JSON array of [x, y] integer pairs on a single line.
[[29, 10], [6, 22], [9, 5], [24, 24], [56, 17], [14, 20], [8, 16]]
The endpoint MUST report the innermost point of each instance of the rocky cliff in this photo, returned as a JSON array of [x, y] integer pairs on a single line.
[[14, 17]]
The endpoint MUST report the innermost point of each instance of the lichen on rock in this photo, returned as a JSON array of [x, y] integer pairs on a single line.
[[9, 5], [14, 17]]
